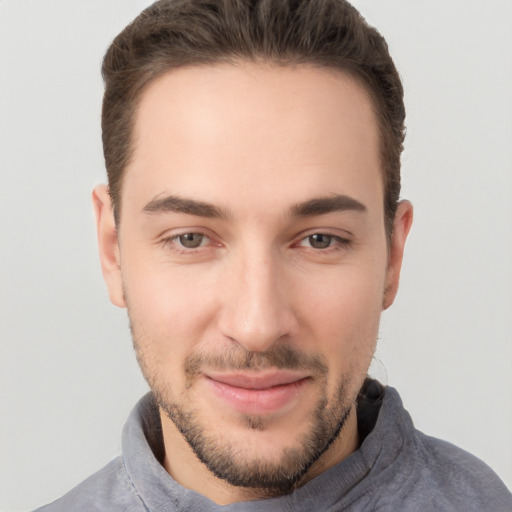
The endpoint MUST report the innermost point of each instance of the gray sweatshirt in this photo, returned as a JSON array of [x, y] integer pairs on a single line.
[[396, 468]]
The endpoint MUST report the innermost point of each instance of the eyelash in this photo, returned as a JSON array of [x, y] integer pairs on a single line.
[[173, 242], [336, 242]]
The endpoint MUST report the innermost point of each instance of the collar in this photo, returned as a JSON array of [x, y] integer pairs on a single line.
[[342, 484]]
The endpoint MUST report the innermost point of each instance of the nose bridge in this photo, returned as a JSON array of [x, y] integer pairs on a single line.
[[259, 312]]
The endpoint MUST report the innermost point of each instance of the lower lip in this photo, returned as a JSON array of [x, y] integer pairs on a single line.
[[257, 401]]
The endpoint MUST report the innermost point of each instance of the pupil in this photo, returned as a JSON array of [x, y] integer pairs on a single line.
[[191, 240], [320, 241]]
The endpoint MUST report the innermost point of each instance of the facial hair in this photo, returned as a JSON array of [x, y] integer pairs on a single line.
[[225, 460]]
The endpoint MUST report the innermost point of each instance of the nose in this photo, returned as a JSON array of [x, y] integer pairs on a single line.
[[257, 311]]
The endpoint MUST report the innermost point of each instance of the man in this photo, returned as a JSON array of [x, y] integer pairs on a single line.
[[253, 230]]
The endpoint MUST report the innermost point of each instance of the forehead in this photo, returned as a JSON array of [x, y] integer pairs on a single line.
[[229, 132]]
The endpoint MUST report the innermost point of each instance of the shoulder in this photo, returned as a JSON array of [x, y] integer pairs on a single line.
[[443, 477], [108, 489], [460, 474], [414, 471]]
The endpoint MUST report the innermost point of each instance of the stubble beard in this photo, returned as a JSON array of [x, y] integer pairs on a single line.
[[271, 478], [224, 460]]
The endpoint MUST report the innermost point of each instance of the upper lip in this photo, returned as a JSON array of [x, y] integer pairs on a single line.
[[257, 379]]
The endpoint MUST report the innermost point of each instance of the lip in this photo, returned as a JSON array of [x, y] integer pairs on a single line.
[[257, 393]]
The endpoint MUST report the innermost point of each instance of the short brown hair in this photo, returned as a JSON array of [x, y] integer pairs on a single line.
[[176, 33]]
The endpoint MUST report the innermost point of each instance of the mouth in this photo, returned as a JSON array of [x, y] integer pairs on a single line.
[[258, 393]]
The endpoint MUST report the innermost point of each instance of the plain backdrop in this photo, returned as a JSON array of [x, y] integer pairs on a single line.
[[68, 376]]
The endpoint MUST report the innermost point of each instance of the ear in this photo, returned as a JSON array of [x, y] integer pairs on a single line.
[[401, 226], [108, 244]]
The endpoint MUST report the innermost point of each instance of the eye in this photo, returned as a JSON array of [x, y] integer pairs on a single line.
[[191, 240], [189, 246], [322, 241]]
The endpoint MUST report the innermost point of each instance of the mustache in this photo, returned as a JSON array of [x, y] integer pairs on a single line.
[[282, 357]]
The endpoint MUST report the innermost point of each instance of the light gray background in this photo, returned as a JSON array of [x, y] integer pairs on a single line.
[[68, 375]]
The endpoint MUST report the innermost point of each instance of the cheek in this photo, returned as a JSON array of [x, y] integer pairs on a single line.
[[345, 315], [169, 308], [347, 321]]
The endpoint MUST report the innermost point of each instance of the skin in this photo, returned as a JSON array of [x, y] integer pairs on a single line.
[[237, 153]]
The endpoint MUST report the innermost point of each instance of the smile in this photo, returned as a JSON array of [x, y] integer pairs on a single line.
[[257, 393]]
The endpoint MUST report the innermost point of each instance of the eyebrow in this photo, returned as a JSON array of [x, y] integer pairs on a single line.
[[175, 204], [324, 205], [309, 208]]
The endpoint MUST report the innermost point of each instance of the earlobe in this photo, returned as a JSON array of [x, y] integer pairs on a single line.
[[402, 225], [108, 245]]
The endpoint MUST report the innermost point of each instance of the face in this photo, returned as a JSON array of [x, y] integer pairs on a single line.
[[252, 257]]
